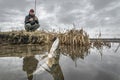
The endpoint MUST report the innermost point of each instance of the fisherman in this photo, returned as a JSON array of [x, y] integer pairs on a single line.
[[31, 21]]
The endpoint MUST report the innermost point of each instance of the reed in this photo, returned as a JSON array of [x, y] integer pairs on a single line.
[[71, 37]]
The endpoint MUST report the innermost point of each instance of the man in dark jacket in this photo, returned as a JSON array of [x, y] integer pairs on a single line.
[[31, 21]]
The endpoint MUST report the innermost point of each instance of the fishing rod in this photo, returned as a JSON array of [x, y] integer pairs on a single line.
[[35, 7]]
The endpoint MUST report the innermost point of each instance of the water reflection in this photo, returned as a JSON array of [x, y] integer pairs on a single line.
[[30, 65], [54, 67], [56, 70], [52, 62], [75, 52]]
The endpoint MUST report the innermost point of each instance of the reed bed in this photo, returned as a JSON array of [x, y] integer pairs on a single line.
[[71, 37]]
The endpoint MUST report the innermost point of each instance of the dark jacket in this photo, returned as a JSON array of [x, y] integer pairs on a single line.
[[31, 22]]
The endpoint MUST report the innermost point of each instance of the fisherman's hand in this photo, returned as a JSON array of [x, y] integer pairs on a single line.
[[31, 19]]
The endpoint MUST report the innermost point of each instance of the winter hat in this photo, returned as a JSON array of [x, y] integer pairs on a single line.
[[31, 10]]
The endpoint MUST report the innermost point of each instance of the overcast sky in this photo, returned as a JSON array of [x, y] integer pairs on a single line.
[[93, 15]]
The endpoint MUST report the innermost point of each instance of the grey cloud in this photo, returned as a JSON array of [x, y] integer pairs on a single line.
[[107, 16], [88, 13], [99, 4], [7, 9], [14, 4]]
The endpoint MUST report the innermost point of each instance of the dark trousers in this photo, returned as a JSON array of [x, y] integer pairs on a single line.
[[29, 27]]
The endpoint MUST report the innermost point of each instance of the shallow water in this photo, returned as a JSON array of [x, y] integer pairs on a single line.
[[20, 62]]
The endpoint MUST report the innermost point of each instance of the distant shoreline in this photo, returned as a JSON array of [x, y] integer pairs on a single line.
[[106, 39]]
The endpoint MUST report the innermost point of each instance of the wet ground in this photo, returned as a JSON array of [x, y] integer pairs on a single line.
[[19, 62]]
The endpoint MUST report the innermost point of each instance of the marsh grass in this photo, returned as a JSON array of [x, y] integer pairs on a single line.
[[71, 37]]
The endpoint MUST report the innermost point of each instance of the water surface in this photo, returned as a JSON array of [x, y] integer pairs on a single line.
[[19, 62]]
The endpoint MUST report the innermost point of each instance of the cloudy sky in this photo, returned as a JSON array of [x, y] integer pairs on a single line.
[[94, 16]]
